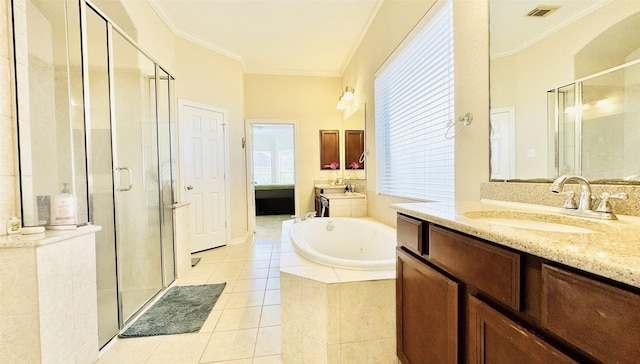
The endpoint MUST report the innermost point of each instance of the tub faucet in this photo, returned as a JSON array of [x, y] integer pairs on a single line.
[[303, 216], [584, 203], [308, 215]]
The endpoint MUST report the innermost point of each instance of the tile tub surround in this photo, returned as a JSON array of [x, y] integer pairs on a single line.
[[540, 193], [611, 251], [333, 315], [49, 297]]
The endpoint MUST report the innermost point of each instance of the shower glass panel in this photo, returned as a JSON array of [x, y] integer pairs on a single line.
[[101, 198], [167, 172], [50, 112], [136, 178]]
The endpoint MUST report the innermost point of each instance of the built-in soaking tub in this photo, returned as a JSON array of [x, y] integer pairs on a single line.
[[337, 289], [345, 242]]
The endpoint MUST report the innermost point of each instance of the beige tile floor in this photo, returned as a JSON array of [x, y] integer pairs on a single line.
[[244, 325]]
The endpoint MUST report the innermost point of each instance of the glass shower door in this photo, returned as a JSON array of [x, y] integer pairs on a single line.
[[102, 192], [136, 179]]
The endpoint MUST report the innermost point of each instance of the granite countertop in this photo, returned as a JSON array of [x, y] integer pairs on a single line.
[[611, 249], [45, 238], [343, 195]]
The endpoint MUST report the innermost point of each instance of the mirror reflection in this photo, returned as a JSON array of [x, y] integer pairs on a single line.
[[547, 74], [353, 155]]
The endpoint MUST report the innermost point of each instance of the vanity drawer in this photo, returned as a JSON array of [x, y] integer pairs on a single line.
[[491, 269], [600, 319], [410, 233]]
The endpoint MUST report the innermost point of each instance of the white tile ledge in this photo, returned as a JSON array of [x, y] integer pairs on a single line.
[[46, 238]]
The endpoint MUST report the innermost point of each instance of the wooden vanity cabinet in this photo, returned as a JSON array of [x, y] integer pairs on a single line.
[[494, 338], [598, 318], [508, 306], [410, 233], [427, 313]]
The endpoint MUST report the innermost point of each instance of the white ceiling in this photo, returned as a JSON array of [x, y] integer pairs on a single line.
[[294, 37]]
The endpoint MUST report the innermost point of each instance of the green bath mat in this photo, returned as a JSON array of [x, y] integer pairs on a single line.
[[182, 309]]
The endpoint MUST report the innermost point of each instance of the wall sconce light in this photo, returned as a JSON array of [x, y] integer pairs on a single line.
[[347, 96]]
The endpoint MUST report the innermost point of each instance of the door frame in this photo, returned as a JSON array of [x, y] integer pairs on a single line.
[[251, 191], [182, 103]]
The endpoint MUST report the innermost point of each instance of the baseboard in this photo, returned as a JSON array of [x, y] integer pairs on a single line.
[[241, 239]]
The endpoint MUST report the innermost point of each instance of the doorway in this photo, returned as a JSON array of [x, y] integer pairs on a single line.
[[271, 152]]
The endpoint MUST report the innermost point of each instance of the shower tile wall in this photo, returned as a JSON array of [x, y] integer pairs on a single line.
[[49, 300], [8, 170]]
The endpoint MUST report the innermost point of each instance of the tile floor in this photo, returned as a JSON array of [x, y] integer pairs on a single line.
[[244, 325]]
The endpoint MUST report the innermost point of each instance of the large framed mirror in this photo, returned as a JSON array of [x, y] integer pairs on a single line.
[[353, 156], [564, 89]]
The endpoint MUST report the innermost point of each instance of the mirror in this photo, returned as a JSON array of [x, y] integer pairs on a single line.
[[554, 60], [354, 145]]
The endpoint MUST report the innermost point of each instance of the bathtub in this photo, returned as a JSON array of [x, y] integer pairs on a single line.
[[345, 242]]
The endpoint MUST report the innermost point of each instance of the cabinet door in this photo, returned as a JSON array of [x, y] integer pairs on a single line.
[[329, 148], [493, 338], [354, 148], [427, 313], [598, 318]]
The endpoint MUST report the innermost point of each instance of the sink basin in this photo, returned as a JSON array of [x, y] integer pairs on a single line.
[[534, 221]]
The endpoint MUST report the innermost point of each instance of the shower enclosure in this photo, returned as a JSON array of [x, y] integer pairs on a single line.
[[95, 127], [132, 169]]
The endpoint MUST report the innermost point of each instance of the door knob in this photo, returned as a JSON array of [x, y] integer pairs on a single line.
[[189, 187]]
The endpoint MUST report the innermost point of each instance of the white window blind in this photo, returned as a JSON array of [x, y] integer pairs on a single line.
[[414, 98]]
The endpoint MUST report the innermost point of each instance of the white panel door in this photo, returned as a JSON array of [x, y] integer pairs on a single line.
[[503, 143], [203, 151]]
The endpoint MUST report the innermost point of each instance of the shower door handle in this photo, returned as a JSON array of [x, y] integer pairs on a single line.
[[130, 174]]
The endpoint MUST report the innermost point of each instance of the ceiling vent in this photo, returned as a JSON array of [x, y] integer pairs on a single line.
[[542, 11]]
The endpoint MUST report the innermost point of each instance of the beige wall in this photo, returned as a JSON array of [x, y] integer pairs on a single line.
[[311, 101], [393, 22], [206, 77], [471, 44], [140, 22]]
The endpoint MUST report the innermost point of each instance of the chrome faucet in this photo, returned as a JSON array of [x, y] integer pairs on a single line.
[[585, 202], [585, 205], [303, 216]]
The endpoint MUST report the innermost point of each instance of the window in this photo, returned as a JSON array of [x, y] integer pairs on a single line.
[[286, 167], [414, 98], [262, 167], [273, 154]]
